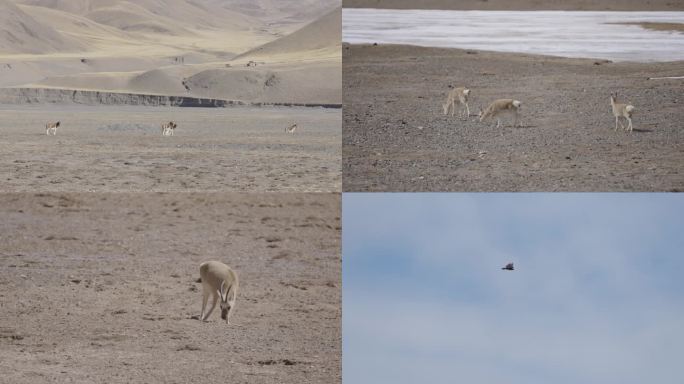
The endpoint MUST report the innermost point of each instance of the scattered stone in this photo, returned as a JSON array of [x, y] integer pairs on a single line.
[[189, 347]]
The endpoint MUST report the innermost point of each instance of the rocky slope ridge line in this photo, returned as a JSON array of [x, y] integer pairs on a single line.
[[68, 96]]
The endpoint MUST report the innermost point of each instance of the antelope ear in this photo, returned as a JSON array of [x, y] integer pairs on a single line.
[[222, 289]]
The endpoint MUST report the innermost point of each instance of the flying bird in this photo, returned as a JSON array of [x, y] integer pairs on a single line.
[[509, 267]]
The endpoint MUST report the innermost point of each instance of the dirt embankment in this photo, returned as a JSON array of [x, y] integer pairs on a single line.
[[102, 288], [396, 138], [68, 96]]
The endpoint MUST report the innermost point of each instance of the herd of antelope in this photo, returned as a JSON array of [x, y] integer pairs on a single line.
[[167, 129], [500, 107]]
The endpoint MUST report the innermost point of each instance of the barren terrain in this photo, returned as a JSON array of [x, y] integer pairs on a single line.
[[106, 148], [396, 138], [102, 288]]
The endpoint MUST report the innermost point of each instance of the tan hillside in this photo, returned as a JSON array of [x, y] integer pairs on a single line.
[[322, 34], [19, 33], [175, 47]]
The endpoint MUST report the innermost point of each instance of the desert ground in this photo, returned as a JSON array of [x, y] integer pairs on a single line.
[[522, 5], [102, 288], [82, 62], [104, 148], [396, 138]]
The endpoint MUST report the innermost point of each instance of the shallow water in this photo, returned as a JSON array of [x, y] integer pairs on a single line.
[[557, 33]]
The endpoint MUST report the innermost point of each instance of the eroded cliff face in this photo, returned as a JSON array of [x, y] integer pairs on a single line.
[[69, 96]]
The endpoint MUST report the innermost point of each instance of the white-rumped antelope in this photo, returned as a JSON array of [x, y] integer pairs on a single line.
[[220, 281], [621, 110], [500, 107], [51, 127], [457, 96]]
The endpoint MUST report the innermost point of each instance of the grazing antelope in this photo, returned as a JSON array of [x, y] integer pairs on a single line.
[[51, 127], [457, 96], [499, 107], [621, 110], [168, 128], [221, 282], [291, 128]]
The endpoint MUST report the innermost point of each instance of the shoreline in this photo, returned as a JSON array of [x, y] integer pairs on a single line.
[[469, 51], [519, 5]]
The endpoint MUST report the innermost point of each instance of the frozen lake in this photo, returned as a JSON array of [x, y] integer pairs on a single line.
[[558, 33]]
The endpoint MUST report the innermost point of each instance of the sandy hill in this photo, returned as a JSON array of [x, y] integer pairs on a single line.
[[175, 47], [158, 16], [278, 12], [322, 34], [21, 33], [319, 82]]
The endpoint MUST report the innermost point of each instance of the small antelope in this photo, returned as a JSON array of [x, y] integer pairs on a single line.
[[291, 128], [621, 110], [51, 127], [220, 281], [457, 96], [499, 107], [168, 128]]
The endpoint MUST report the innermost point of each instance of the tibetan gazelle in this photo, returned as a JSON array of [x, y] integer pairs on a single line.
[[168, 128], [500, 107], [51, 127], [221, 282], [621, 110], [291, 128], [457, 96]]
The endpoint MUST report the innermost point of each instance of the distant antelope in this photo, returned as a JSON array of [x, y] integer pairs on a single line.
[[51, 127], [168, 128], [499, 107], [621, 110], [291, 128], [221, 282], [457, 96]]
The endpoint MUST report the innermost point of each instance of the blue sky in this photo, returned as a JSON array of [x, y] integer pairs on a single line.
[[597, 295]]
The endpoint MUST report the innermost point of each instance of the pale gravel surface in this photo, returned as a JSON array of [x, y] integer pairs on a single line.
[[395, 137], [101, 288], [120, 149]]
